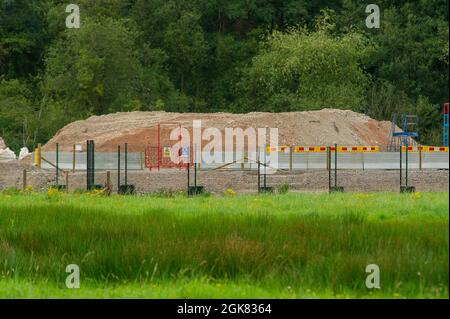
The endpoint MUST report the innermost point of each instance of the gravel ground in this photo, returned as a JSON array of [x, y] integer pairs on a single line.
[[240, 181]]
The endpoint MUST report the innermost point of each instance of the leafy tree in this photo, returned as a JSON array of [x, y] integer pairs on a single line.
[[302, 70], [185, 43], [384, 100], [23, 37], [417, 63], [16, 113], [97, 69], [429, 122], [219, 55], [410, 64]]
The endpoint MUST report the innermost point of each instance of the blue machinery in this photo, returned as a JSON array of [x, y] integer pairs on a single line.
[[445, 124], [409, 126]]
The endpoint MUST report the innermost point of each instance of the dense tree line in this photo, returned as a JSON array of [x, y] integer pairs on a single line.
[[218, 55]]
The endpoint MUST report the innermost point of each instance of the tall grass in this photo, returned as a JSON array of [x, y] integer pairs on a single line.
[[318, 242]]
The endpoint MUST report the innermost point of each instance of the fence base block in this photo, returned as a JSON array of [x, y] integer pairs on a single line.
[[127, 189], [336, 189], [267, 189], [196, 190], [407, 189], [97, 187]]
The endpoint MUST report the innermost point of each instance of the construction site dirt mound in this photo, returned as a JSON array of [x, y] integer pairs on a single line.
[[323, 127]]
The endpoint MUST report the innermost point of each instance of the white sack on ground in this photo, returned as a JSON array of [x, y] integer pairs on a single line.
[[23, 153], [7, 155]]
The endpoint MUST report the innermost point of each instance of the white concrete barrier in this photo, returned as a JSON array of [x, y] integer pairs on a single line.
[[300, 161]]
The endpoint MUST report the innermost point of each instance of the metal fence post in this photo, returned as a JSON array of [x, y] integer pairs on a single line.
[[363, 157], [87, 165], [259, 170], [335, 165], [329, 167], [108, 182], [93, 162], [126, 164], [73, 158], [189, 172], [57, 164], [265, 167], [24, 179], [195, 167], [420, 158], [406, 171], [401, 165], [118, 169], [290, 157]]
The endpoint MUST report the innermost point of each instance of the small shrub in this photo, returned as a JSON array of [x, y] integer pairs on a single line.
[[10, 191], [283, 189], [27, 190], [98, 192], [79, 191], [168, 193], [206, 194], [363, 195], [54, 194], [229, 192], [416, 195]]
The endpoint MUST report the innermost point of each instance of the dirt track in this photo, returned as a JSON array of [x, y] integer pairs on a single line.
[[240, 181]]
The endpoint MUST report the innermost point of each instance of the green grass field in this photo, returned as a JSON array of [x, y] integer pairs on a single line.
[[268, 246]]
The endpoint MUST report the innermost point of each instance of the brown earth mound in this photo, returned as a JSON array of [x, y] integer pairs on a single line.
[[324, 127]]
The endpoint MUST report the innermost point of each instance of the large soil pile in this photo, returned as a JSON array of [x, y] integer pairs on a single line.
[[324, 127]]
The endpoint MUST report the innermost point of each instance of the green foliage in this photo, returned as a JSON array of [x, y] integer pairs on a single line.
[[209, 56], [411, 60], [283, 189], [10, 191], [168, 193], [415, 63], [96, 70], [302, 70], [429, 124], [23, 37], [229, 192], [16, 113]]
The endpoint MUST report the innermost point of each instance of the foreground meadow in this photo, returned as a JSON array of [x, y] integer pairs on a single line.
[[279, 246]]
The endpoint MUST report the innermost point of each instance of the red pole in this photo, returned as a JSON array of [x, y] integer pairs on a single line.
[[159, 146]]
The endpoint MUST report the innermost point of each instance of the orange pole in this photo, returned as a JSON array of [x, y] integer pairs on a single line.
[[159, 146]]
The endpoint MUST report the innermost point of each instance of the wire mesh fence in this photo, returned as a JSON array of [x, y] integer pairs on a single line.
[[141, 157], [131, 167]]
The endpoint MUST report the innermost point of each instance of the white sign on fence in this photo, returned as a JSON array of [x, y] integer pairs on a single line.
[[185, 151]]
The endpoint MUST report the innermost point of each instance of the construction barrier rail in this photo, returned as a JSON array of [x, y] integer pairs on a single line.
[[426, 149], [286, 160], [323, 149]]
